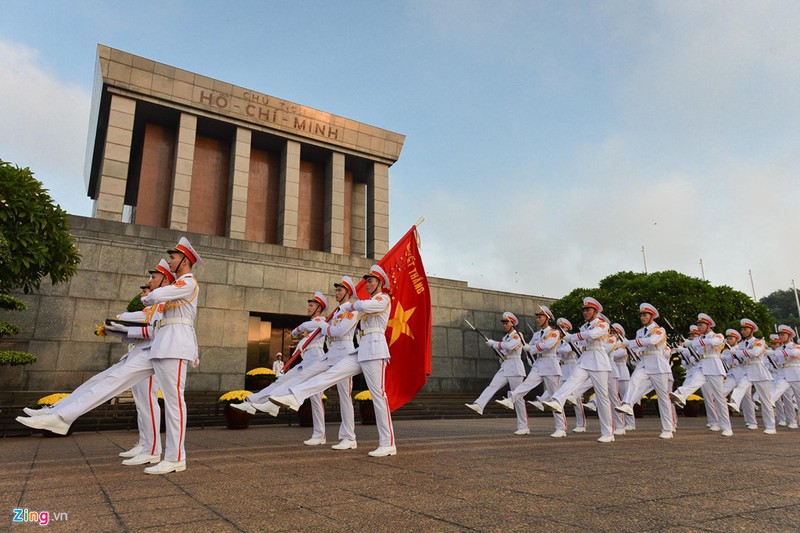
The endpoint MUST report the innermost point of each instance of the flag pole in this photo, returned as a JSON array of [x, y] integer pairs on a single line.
[[420, 221]]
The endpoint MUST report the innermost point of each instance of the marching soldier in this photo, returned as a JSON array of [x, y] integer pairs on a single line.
[[593, 364], [569, 362], [751, 351], [511, 372], [343, 356], [736, 373], [545, 368], [787, 356], [708, 345], [314, 362], [650, 343]]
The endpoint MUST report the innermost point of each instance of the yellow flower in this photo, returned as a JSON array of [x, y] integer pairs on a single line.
[[234, 396], [52, 399], [158, 394], [261, 371], [654, 397], [694, 398], [363, 396], [100, 330]]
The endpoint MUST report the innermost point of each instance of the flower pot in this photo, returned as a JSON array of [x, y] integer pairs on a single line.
[[367, 411], [691, 409], [236, 419], [257, 383]]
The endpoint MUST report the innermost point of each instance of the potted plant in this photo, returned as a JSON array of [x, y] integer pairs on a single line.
[[234, 418], [49, 401], [304, 415], [692, 407], [259, 378], [365, 407]]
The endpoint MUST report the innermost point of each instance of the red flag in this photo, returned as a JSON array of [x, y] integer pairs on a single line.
[[409, 330]]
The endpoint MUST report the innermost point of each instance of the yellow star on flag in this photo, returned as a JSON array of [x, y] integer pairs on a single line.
[[399, 323]]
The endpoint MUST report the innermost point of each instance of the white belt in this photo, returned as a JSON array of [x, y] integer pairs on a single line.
[[371, 330], [340, 339], [177, 320], [788, 365], [714, 356], [547, 356], [652, 353]]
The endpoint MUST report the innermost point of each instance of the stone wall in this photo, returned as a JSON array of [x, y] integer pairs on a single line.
[[236, 278]]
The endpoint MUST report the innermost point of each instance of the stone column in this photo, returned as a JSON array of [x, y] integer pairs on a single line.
[[182, 181], [334, 208], [289, 191], [359, 219], [240, 174], [378, 211], [116, 159]]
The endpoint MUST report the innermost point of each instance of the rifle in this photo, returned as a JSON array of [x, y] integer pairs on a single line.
[[479, 332], [531, 358], [300, 348]]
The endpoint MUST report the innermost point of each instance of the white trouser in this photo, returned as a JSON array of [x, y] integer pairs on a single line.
[[600, 383], [786, 388], [622, 385], [374, 371], [306, 372], [171, 376], [498, 382], [742, 397], [340, 374], [789, 410], [712, 391], [551, 384], [145, 396], [148, 415], [580, 416], [613, 397], [711, 407]]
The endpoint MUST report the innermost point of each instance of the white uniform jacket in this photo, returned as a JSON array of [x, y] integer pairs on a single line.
[[789, 358], [708, 347], [752, 351], [594, 335], [313, 349], [511, 348], [543, 345], [339, 332], [649, 344], [374, 318], [175, 337], [619, 355]]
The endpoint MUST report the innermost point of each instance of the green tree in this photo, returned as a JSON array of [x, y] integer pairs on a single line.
[[34, 243], [783, 306], [36, 232], [678, 298]]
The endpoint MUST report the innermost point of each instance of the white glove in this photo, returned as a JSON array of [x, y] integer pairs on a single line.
[[630, 343], [345, 307], [116, 328], [570, 337], [196, 363], [491, 344], [296, 332]]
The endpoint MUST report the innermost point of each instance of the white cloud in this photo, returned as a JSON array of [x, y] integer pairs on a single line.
[[44, 125]]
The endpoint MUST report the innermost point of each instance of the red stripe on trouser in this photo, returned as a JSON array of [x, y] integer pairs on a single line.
[[388, 410], [152, 414], [180, 408]]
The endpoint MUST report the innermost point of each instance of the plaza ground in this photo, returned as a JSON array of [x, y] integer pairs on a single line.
[[449, 475]]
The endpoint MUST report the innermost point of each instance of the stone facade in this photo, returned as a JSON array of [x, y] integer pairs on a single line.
[[237, 278]]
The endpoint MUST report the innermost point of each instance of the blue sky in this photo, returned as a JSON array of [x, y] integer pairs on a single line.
[[547, 142]]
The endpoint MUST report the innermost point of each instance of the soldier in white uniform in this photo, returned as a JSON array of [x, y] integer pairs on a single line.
[[708, 345], [277, 366], [344, 358], [751, 350], [785, 411], [545, 368], [736, 371], [174, 345], [145, 392], [511, 372], [593, 364], [569, 362], [787, 356], [315, 361], [650, 344], [620, 357]]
